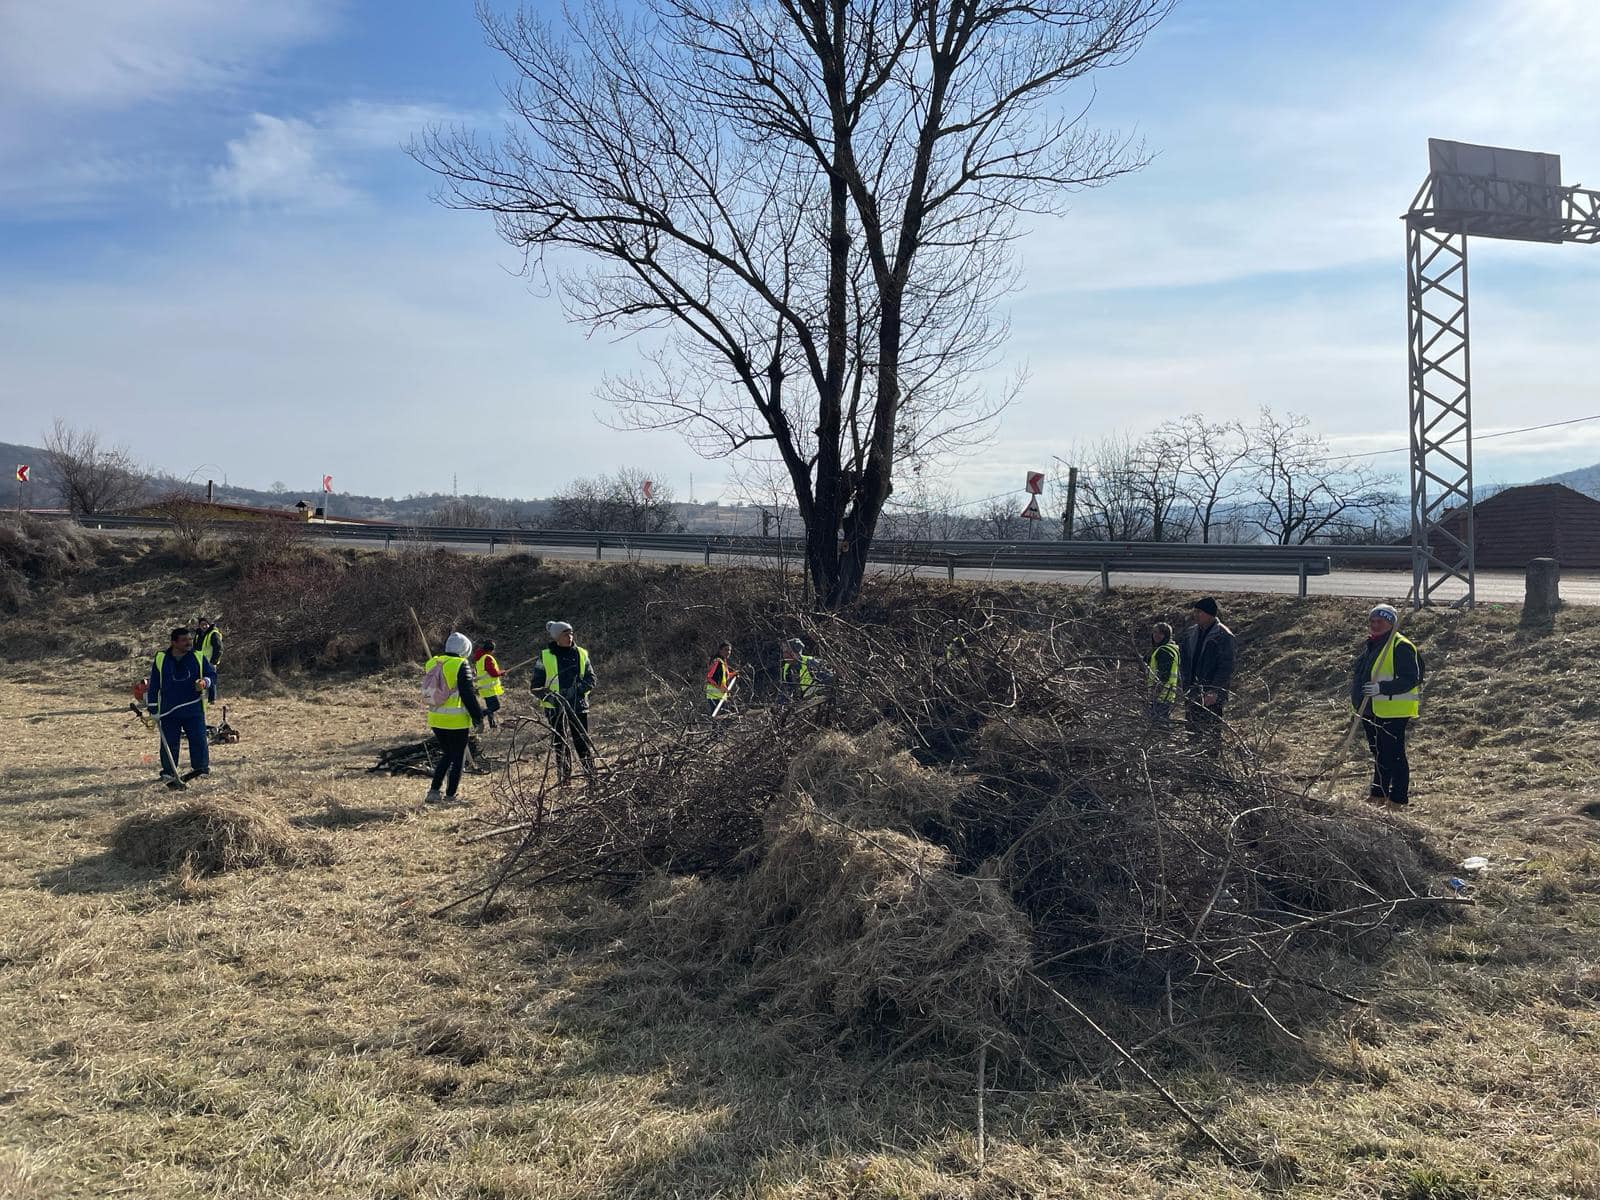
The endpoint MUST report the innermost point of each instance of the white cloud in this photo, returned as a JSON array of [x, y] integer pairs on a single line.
[[89, 54], [287, 162], [1304, 161], [280, 162], [86, 89]]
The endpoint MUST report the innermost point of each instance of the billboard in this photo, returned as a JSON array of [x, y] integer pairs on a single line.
[[1488, 191]]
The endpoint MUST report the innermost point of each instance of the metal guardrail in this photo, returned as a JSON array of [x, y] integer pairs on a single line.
[[1101, 557]]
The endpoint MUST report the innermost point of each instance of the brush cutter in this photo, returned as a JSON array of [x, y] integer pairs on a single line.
[[222, 734]]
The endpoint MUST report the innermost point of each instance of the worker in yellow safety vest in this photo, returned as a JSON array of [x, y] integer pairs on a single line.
[[562, 679], [491, 685], [1162, 667], [1386, 689], [801, 673], [719, 679], [449, 689], [208, 645]]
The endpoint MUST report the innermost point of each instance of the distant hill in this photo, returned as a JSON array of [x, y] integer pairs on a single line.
[[1584, 479], [409, 510]]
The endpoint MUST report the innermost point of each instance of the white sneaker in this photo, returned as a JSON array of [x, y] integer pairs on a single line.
[[432, 797]]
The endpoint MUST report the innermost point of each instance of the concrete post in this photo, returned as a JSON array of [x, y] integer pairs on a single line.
[[1543, 594], [1105, 577]]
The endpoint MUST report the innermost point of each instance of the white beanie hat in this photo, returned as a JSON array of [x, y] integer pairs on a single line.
[[556, 628], [458, 644], [1386, 612]]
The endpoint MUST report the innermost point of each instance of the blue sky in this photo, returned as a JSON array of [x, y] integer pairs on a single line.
[[213, 249]]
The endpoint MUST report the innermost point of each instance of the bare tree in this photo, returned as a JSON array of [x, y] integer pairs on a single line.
[[468, 512], [1301, 493], [1155, 477], [1214, 460], [814, 199], [1111, 503], [615, 503], [1002, 521], [929, 512], [92, 478]]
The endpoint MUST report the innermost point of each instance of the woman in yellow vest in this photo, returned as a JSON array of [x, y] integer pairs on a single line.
[[453, 711], [1385, 689], [719, 678], [490, 684], [1163, 670]]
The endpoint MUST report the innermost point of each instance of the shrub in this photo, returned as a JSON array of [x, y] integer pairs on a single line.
[[317, 609], [35, 550]]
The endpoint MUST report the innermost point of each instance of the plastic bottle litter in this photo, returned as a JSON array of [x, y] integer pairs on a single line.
[[1476, 863], [1456, 885]]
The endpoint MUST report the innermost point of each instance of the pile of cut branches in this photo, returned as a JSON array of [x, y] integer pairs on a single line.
[[977, 824]]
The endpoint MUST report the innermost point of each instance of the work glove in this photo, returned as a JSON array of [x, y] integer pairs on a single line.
[[1370, 690]]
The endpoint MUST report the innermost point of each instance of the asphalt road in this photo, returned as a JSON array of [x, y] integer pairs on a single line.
[[1497, 587], [1500, 587]]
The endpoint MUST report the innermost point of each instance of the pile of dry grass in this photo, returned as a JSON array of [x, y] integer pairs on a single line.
[[211, 835], [965, 826]]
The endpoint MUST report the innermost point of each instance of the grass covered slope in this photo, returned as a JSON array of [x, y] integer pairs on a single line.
[[291, 1029]]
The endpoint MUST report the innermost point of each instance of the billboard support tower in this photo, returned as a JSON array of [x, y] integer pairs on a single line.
[[1476, 191]]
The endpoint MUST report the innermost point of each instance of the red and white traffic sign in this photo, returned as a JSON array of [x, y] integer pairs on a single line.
[[22, 472], [648, 486], [1031, 513], [1035, 482], [327, 483]]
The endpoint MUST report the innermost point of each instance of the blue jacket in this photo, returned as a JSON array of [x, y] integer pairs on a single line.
[[175, 678]]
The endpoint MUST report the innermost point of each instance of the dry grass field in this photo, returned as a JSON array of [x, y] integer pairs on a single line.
[[305, 1029]]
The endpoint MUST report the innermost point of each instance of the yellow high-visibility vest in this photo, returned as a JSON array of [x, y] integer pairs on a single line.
[[803, 676], [1166, 690], [552, 674], [452, 714], [487, 684], [717, 682], [205, 647], [1406, 704]]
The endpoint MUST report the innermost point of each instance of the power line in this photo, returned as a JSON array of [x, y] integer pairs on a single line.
[[1482, 437]]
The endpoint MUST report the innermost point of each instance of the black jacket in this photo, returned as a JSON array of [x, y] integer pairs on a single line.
[[1205, 663], [1407, 674], [569, 682]]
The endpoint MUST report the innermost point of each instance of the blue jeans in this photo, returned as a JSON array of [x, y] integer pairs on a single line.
[[190, 723]]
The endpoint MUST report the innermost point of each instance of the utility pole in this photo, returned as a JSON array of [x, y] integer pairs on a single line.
[[1069, 512]]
